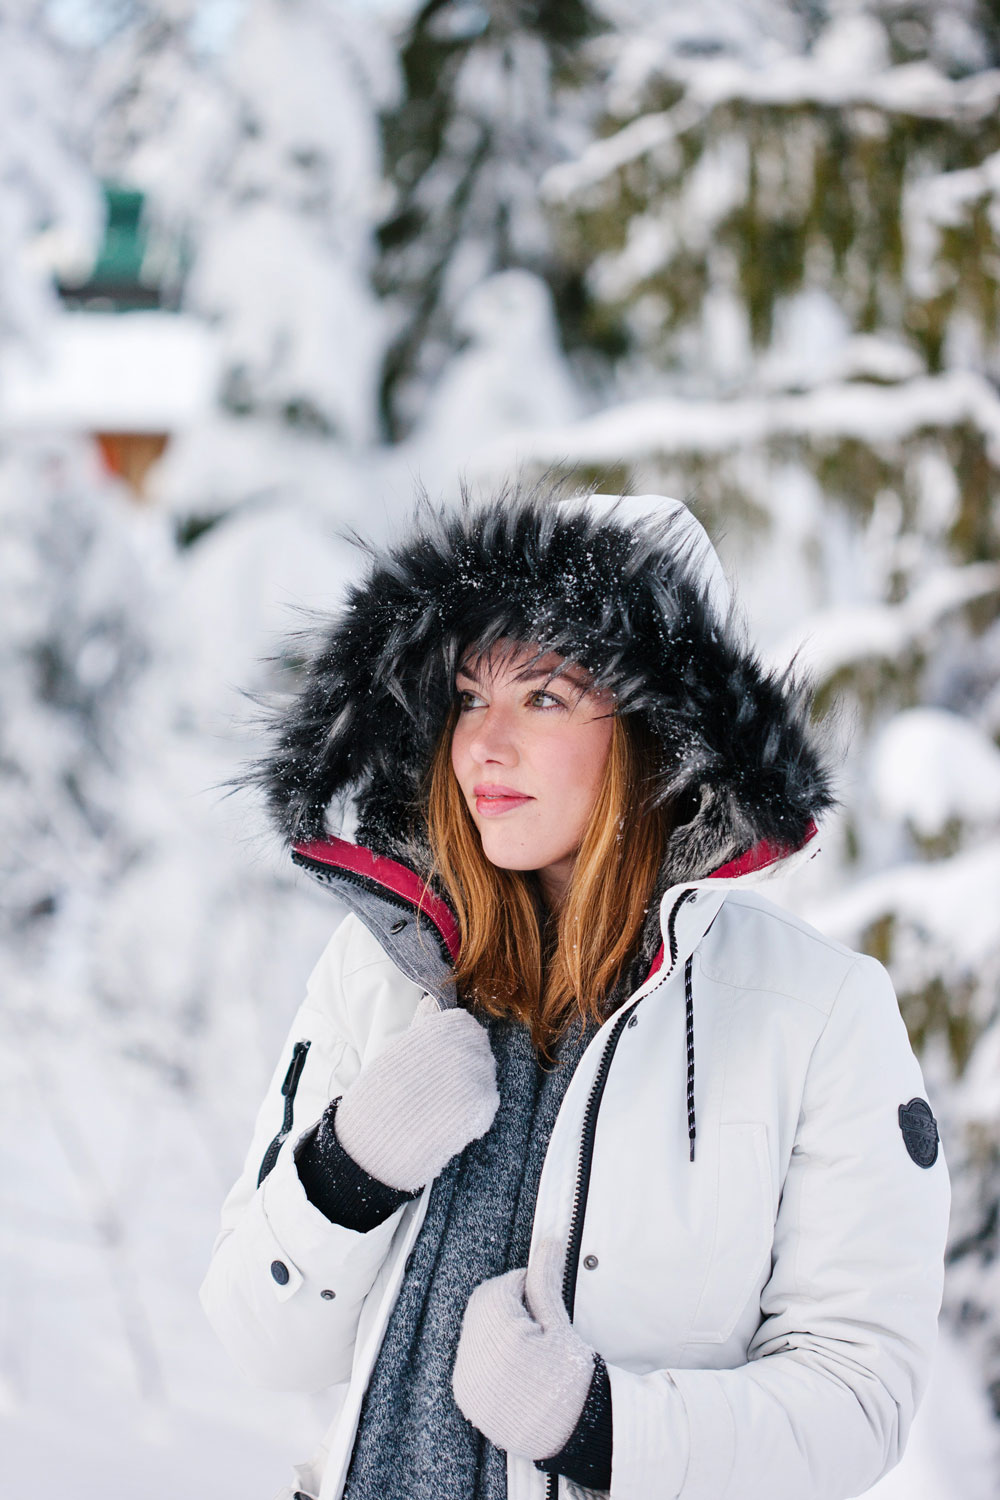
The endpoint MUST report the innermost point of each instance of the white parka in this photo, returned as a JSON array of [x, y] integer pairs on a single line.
[[767, 1311]]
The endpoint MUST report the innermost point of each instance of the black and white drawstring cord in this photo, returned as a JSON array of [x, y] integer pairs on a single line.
[[688, 895], [689, 1020]]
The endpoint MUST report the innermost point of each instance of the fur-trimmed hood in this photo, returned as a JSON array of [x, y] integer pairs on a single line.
[[629, 588]]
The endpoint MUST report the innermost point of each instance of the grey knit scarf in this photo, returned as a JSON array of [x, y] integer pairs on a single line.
[[413, 1443]]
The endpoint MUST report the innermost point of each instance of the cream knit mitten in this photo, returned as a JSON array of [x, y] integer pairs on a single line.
[[429, 1093], [522, 1372]]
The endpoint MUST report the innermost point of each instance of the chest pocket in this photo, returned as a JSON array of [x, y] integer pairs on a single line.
[[739, 1243]]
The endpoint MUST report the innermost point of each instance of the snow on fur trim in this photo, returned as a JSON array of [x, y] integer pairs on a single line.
[[620, 596]]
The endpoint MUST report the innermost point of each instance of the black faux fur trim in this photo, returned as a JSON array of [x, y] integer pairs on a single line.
[[740, 762]]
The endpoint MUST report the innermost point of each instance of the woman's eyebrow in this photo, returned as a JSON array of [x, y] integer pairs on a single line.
[[553, 674], [533, 674]]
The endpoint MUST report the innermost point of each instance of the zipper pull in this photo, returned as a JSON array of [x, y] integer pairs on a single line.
[[295, 1067], [288, 1088], [688, 895]]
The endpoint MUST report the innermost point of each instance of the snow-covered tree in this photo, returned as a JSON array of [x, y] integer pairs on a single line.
[[789, 236], [757, 241], [491, 97], [62, 646], [257, 146], [153, 950], [51, 212]]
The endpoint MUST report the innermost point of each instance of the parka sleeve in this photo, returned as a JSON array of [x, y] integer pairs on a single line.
[[823, 1407], [285, 1286]]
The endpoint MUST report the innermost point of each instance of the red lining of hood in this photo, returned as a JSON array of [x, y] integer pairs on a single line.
[[759, 857], [404, 882], [397, 878]]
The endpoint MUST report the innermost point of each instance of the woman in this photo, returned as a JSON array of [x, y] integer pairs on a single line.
[[586, 1166]]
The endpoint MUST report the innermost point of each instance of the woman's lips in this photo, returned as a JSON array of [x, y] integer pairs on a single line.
[[492, 800]]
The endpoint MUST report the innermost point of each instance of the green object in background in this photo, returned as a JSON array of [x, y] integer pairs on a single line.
[[128, 274], [119, 263]]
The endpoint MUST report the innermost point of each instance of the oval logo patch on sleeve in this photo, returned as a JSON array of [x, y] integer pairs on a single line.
[[920, 1132]]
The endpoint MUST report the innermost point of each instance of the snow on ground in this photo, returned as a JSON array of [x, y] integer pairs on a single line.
[[116, 1385]]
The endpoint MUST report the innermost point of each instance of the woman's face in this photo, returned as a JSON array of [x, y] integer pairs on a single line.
[[529, 753]]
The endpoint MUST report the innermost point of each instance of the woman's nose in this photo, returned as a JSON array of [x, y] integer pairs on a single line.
[[493, 739]]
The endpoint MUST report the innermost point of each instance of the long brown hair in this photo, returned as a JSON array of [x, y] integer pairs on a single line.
[[515, 958]]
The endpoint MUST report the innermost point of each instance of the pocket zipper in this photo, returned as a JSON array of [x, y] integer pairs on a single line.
[[288, 1089]]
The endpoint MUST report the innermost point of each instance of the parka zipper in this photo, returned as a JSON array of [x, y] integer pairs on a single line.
[[288, 1089], [588, 1135], [586, 1157]]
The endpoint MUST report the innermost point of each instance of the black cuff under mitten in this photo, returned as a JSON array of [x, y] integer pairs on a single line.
[[586, 1457], [337, 1186]]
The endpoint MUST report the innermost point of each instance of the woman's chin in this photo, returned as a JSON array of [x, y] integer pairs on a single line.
[[506, 861], [505, 855]]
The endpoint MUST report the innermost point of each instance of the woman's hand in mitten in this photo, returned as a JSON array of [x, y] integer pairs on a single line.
[[429, 1093], [522, 1372]]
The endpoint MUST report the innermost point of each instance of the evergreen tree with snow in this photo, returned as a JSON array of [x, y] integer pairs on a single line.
[[491, 97], [788, 232], [256, 144], [151, 954], [51, 213], [61, 645]]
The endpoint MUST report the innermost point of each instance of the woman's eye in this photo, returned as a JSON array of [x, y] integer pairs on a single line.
[[550, 700], [467, 699]]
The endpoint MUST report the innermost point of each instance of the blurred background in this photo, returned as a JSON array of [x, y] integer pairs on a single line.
[[265, 265]]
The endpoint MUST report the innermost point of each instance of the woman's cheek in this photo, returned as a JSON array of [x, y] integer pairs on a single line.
[[461, 761], [580, 761]]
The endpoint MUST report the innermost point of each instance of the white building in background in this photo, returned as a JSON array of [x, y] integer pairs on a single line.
[[118, 361]]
